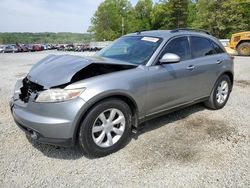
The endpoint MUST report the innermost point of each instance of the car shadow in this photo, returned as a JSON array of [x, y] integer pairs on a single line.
[[66, 153], [158, 122], [74, 153]]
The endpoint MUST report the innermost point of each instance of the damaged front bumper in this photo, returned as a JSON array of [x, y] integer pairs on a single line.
[[51, 123]]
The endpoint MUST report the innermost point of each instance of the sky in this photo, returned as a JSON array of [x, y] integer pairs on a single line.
[[47, 15]]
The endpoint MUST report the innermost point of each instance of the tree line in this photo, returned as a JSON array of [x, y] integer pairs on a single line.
[[220, 17], [51, 38]]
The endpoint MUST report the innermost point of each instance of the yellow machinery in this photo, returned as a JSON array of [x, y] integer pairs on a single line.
[[241, 43]]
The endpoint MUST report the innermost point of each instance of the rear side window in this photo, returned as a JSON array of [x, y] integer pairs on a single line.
[[217, 48], [180, 47], [201, 47]]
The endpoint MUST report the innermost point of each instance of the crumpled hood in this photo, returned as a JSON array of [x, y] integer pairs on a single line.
[[56, 70]]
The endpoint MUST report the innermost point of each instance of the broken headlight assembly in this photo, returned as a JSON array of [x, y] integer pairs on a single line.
[[58, 95]]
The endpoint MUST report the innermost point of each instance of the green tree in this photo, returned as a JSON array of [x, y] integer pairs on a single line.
[[107, 20], [178, 10], [170, 14], [244, 6], [159, 16], [221, 17], [143, 10], [192, 13]]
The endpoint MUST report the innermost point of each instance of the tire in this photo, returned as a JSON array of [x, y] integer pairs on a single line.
[[214, 101], [89, 136], [244, 49]]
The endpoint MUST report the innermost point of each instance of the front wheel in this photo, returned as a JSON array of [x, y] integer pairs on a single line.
[[220, 93], [106, 128]]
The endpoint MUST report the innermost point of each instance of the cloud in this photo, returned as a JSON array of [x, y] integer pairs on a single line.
[[46, 15]]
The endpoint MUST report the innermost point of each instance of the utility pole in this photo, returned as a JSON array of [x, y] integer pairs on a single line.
[[123, 12], [122, 25]]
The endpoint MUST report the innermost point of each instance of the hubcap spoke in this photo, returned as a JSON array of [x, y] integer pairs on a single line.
[[97, 129], [222, 92], [112, 115], [103, 118], [224, 85], [100, 138], [219, 98], [120, 119], [222, 98], [110, 140], [117, 131]]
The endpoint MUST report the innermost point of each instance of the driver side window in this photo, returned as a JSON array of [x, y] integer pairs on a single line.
[[180, 47]]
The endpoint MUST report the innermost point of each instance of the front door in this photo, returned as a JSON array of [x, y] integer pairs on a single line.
[[170, 85]]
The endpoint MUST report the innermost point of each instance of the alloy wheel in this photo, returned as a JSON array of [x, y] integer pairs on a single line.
[[222, 92], [108, 128]]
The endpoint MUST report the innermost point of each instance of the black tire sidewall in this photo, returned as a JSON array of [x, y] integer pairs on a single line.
[[222, 78], [85, 133]]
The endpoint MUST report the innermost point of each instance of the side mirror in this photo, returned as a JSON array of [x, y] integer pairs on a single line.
[[170, 58]]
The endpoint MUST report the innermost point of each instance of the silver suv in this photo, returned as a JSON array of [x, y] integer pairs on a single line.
[[97, 101]]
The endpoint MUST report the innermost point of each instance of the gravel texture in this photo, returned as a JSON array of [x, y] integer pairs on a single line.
[[193, 147]]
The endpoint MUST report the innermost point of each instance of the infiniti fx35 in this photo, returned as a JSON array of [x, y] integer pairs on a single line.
[[97, 101]]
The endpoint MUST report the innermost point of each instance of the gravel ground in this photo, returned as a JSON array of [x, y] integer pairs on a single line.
[[193, 147]]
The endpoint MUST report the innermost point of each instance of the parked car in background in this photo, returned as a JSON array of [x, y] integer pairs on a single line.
[[44, 47], [29, 47], [10, 48], [1, 48], [53, 47], [97, 101], [70, 47], [37, 47], [22, 48], [60, 47]]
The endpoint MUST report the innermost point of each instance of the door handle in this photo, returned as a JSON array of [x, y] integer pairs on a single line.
[[219, 62], [190, 67]]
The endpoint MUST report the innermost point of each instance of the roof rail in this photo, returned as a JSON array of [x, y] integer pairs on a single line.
[[139, 31], [190, 29]]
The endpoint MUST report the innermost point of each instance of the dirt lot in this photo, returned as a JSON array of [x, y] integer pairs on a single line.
[[193, 147]]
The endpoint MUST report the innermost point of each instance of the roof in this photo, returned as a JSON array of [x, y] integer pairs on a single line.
[[166, 34]]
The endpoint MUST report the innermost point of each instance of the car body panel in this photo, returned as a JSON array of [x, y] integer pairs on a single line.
[[131, 83], [60, 69]]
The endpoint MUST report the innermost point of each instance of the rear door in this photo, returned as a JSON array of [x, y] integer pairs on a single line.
[[207, 58]]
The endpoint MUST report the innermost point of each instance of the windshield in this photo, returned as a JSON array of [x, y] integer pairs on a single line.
[[136, 49]]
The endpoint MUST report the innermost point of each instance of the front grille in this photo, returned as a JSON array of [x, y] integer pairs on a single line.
[[29, 88]]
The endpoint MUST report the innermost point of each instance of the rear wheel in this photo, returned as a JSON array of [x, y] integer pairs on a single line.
[[106, 128], [220, 93], [244, 49]]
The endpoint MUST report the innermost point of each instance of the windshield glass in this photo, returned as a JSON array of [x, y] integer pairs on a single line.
[[136, 49]]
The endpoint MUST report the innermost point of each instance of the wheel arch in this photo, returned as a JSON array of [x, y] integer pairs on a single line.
[[230, 75], [118, 95], [242, 41]]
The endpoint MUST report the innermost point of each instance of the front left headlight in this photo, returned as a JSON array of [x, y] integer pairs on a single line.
[[58, 95]]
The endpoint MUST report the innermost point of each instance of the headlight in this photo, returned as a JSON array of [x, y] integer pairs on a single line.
[[58, 95]]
